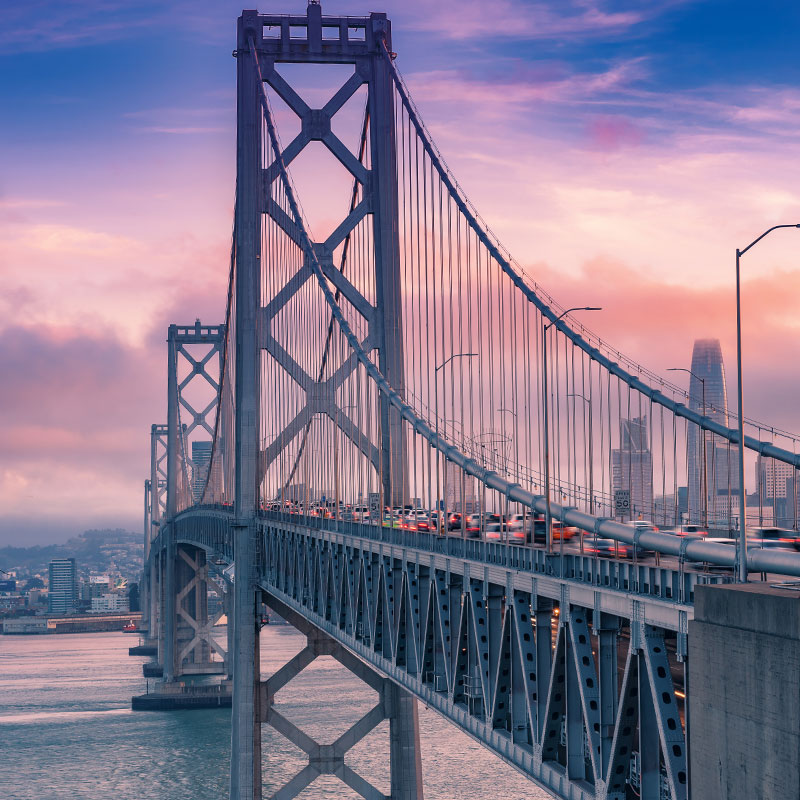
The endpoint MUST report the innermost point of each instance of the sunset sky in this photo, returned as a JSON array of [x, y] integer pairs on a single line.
[[620, 150]]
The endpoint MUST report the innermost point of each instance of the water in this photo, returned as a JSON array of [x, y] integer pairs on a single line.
[[67, 731]]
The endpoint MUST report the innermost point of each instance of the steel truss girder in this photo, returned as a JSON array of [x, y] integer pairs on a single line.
[[323, 759], [478, 661]]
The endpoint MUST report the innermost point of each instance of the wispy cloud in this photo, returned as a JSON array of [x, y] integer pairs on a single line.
[[525, 87], [40, 25], [182, 131], [181, 112], [512, 19]]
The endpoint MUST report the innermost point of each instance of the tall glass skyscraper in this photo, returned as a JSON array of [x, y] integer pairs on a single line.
[[63, 589], [711, 489]]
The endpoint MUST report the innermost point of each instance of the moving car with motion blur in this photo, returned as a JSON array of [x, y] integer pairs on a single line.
[[779, 538], [495, 532], [607, 548]]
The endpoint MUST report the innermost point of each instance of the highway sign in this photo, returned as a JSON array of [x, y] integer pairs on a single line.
[[622, 501]]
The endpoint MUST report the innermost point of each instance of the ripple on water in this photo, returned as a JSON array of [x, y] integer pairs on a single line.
[[67, 730]]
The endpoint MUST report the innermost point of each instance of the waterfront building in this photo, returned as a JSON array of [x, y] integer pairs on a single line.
[[62, 591], [110, 602], [94, 586]]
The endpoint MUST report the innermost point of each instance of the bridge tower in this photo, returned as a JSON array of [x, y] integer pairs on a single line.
[[155, 509], [185, 637], [265, 41]]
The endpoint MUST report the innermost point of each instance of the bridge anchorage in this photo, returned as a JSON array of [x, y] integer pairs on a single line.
[[398, 465]]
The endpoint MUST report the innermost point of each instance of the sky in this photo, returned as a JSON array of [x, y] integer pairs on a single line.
[[620, 150]]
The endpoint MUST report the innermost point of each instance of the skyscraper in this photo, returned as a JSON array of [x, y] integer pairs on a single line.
[[201, 458], [632, 467], [773, 479], [460, 490], [713, 488], [62, 593]]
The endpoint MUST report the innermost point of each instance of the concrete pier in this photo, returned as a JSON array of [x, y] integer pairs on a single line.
[[179, 696], [147, 647], [744, 703]]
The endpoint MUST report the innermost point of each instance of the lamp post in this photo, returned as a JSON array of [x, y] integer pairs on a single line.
[[439, 514], [516, 467], [705, 459], [548, 519], [742, 555], [591, 457], [336, 490]]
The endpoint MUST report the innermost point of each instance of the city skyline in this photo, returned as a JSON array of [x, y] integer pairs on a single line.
[[713, 486], [430, 449], [616, 173]]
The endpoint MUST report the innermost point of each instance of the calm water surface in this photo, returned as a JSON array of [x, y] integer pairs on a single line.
[[67, 731]]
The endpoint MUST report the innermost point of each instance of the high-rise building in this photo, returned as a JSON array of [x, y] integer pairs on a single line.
[[772, 477], [460, 490], [713, 487], [632, 467], [201, 458], [63, 590]]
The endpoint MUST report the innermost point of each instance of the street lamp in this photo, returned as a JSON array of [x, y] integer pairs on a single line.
[[742, 571], [703, 432], [548, 519], [516, 467], [337, 490], [591, 458], [456, 355]]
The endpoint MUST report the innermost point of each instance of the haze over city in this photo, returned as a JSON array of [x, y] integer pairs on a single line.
[[621, 151], [371, 388]]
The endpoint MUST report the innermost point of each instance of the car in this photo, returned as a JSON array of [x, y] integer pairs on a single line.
[[562, 531], [416, 519], [495, 532], [454, 521], [608, 548], [641, 525], [695, 530], [775, 538], [468, 524]]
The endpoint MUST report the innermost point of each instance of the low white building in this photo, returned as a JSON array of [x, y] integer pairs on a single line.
[[109, 602]]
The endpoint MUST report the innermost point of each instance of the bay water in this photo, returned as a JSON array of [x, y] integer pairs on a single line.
[[67, 731]]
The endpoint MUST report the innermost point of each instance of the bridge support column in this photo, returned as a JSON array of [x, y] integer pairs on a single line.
[[155, 597], [394, 703], [745, 722], [405, 757], [246, 716], [163, 632], [194, 629], [166, 650], [607, 630], [228, 606], [185, 639]]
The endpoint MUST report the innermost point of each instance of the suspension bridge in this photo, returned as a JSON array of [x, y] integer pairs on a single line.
[[401, 444]]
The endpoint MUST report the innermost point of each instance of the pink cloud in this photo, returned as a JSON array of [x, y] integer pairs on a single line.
[[608, 133], [533, 20]]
